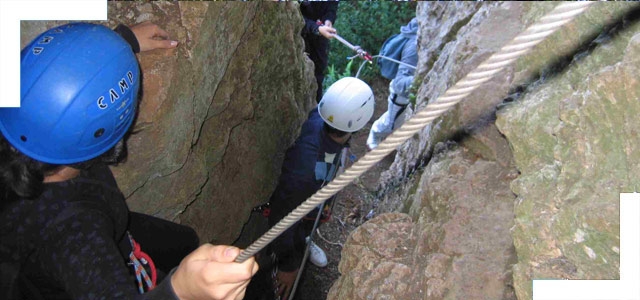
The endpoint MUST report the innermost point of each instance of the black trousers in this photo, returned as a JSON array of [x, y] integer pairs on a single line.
[[318, 49], [167, 243]]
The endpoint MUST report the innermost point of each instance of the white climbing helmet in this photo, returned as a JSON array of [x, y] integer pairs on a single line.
[[347, 105]]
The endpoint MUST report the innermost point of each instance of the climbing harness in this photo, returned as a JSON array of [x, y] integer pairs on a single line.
[[521, 44], [263, 209], [139, 260]]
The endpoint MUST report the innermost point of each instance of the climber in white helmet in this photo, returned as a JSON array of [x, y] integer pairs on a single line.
[[311, 163]]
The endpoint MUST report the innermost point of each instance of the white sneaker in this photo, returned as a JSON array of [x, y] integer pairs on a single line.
[[372, 140], [317, 255]]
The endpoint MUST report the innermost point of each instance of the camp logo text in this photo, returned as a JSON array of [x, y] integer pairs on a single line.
[[122, 86]]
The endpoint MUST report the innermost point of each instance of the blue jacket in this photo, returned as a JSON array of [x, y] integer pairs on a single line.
[[308, 165], [404, 77]]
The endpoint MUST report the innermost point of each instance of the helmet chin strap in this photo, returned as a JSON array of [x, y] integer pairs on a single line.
[[63, 173], [340, 140]]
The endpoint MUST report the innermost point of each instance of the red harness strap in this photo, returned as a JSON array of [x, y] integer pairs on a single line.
[[139, 259]]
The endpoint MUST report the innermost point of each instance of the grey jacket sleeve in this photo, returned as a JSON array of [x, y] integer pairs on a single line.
[[404, 77]]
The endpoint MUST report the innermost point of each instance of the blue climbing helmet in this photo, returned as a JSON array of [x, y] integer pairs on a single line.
[[78, 91]]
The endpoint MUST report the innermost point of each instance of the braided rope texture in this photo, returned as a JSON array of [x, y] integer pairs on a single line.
[[520, 45]]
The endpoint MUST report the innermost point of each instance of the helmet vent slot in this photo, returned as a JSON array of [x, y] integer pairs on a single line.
[[98, 133], [23, 138]]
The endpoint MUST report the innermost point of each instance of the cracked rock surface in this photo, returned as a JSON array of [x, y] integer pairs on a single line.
[[521, 180], [217, 113]]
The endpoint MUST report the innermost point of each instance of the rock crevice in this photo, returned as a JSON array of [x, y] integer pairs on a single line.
[[521, 180]]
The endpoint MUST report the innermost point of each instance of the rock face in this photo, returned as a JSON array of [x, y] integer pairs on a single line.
[[574, 139], [217, 113], [454, 243], [519, 181]]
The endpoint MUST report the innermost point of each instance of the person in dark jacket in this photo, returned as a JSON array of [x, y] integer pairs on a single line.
[[64, 223], [319, 17], [399, 89], [311, 163]]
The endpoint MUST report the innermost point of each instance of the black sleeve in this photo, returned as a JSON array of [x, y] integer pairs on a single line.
[[126, 33], [310, 26], [331, 9], [82, 255], [164, 290]]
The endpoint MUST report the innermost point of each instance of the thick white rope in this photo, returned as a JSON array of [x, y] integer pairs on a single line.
[[520, 45]]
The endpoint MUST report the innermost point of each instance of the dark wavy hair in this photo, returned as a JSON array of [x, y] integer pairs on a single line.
[[21, 177], [334, 131]]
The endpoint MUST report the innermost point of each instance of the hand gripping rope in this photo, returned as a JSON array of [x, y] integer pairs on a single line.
[[359, 51], [520, 45]]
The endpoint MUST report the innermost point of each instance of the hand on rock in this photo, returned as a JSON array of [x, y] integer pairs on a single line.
[[150, 36]]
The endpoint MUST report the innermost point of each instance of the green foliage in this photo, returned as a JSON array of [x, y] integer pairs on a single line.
[[366, 24], [333, 74]]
